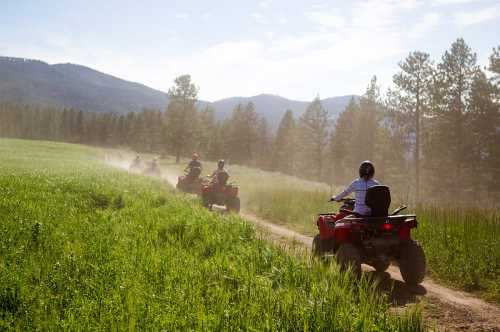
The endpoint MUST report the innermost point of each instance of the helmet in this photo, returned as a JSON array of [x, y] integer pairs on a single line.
[[221, 163], [366, 169], [195, 156]]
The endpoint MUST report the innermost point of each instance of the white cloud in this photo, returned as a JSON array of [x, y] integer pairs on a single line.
[[206, 15], [264, 4], [259, 17], [319, 6], [282, 20], [330, 19], [451, 2], [425, 25], [466, 18], [181, 16]]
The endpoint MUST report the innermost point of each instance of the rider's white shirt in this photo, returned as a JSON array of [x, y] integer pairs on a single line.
[[359, 187]]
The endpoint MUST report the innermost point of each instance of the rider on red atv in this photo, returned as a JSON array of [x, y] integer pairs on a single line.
[[194, 168], [359, 187], [220, 175], [365, 232]]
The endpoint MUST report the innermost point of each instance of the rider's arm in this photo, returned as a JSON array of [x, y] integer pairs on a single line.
[[346, 191]]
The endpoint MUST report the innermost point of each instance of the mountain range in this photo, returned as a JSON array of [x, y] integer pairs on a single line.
[[70, 85]]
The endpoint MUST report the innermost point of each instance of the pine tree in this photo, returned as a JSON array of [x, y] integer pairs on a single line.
[[341, 157], [263, 146], [180, 116], [313, 133], [285, 145], [412, 95], [446, 149]]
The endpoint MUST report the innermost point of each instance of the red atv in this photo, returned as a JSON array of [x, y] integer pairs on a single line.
[[191, 181], [375, 240], [219, 192]]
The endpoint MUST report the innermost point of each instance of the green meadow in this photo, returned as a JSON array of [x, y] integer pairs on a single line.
[[86, 246]]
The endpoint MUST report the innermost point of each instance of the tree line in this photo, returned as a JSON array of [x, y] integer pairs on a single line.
[[435, 135]]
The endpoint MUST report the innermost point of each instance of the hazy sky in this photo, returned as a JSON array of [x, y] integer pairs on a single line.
[[293, 48]]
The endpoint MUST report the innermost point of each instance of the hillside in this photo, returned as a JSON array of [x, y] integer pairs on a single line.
[[70, 85]]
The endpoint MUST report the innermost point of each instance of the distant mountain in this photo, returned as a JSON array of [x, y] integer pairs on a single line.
[[69, 85], [273, 107]]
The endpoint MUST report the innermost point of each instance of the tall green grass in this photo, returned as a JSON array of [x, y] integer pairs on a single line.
[[84, 246], [462, 246]]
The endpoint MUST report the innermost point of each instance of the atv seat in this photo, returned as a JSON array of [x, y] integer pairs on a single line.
[[378, 199]]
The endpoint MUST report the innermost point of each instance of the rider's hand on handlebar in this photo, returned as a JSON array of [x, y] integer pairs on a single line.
[[332, 199]]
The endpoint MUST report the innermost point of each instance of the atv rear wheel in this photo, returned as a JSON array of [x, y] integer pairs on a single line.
[[412, 263], [349, 255], [233, 205]]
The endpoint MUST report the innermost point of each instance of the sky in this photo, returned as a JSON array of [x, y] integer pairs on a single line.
[[294, 48]]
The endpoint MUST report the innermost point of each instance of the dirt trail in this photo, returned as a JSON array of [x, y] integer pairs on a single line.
[[447, 309]]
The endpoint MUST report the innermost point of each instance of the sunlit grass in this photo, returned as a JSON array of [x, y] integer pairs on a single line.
[[85, 246]]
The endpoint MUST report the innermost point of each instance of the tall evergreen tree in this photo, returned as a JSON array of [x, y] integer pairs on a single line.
[[412, 96], [313, 130], [181, 115], [285, 145]]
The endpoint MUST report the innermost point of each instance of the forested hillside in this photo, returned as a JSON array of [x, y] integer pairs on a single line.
[[435, 134], [68, 85]]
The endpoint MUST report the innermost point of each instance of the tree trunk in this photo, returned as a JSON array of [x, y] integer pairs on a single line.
[[417, 148]]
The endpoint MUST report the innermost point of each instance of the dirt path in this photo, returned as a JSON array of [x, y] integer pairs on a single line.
[[445, 309]]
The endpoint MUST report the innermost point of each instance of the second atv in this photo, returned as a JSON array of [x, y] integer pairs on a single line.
[[219, 192], [375, 240]]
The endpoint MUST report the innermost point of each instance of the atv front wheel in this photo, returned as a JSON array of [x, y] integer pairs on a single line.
[[317, 247], [412, 263], [205, 201], [349, 255]]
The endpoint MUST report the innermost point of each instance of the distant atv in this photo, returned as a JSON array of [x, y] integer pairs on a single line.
[[152, 170], [219, 192], [135, 167], [375, 240], [191, 182]]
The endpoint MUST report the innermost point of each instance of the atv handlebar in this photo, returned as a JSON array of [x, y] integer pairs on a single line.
[[399, 209], [345, 200]]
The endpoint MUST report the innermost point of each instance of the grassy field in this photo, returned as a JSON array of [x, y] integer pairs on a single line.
[[462, 245], [86, 246]]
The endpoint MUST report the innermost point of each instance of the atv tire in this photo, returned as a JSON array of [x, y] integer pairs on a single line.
[[412, 263], [233, 205], [349, 255], [381, 266], [205, 201], [317, 247]]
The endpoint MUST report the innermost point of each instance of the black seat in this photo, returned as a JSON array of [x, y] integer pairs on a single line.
[[378, 199]]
